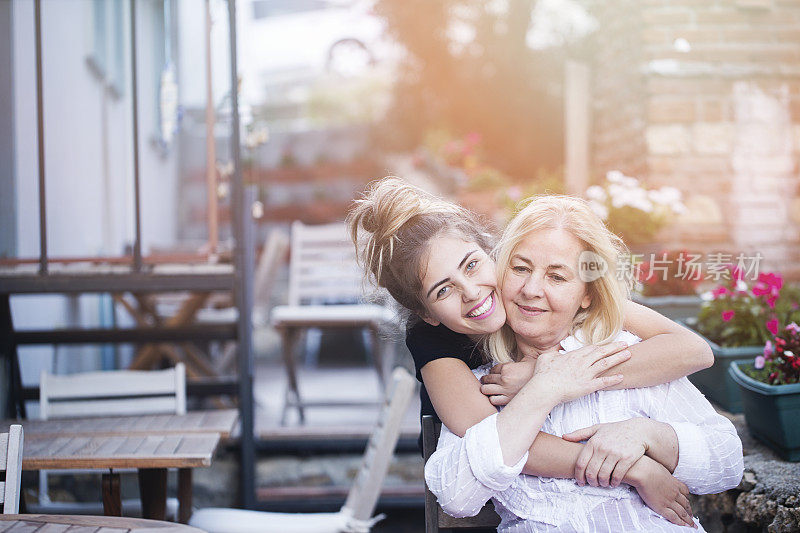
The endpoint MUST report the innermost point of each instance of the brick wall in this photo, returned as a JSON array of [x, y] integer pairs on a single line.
[[719, 118]]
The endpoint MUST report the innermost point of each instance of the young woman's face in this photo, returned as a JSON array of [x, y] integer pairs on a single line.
[[459, 287], [541, 291]]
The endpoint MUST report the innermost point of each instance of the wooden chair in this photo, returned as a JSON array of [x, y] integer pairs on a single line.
[[11, 463], [356, 514], [326, 291], [114, 392], [435, 517]]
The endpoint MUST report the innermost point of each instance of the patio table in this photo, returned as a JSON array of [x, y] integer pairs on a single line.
[[151, 455], [222, 421], [31, 523], [149, 443]]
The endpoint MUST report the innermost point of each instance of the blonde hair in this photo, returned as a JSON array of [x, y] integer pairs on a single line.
[[602, 320], [391, 225]]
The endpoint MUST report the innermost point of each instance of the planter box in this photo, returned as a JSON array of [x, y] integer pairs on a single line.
[[715, 382], [674, 307], [771, 411]]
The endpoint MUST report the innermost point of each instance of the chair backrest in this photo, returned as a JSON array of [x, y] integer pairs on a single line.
[[323, 267], [435, 517], [11, 463], [271, 256], [366, 489], [113, 392]]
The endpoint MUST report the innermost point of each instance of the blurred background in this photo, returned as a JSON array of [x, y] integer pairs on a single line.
[[486, 102]]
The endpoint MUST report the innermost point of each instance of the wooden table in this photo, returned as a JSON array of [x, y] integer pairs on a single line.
[[43, 523], [149, 443], [222, 421], [151, 455]]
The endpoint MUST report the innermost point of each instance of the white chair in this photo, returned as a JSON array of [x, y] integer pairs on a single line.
[[326, 291], [356, 514], [107, 393], [11, 462]]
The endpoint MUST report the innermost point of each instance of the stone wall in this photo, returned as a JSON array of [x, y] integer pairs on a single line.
[[712, 89], [767, 500]]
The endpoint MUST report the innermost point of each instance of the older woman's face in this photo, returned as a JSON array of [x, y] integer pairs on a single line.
[[542, 291]]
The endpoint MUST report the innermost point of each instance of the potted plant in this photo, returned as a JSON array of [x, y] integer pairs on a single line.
[[737, 319], [634, 213], [770, 388], [668, 283]]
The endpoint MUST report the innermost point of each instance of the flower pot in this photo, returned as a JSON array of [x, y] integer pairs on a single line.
[[771, 411], [675, 307], [715, 381]]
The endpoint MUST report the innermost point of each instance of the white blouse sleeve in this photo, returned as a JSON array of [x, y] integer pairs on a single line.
[[709, 449], [464, 473]]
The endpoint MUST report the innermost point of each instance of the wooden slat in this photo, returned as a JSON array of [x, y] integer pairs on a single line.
[[57, 528], [102, 452], [100, 524], [24, 526], [221, 421], [124, 407], [112, 383]]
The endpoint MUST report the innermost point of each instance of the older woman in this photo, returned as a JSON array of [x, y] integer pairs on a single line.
[[552, 305]]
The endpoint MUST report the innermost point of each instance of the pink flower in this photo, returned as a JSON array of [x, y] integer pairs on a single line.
[[771, 301], [720, 291], [768, 349], [728, 315], [771, 279], [761, 289], [759, 362], [737, 274], [793, 327], [772, 326]]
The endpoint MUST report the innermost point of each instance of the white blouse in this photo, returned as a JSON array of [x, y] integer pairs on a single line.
[[464, 473]]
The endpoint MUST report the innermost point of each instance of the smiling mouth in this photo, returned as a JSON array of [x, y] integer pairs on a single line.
[[483, 309], [531, 310]]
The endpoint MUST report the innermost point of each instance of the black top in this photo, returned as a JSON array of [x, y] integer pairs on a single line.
[[426, 343]]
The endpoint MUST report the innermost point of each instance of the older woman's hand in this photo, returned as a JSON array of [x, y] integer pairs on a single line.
[[661, 491], [610, 451], [564, 377]]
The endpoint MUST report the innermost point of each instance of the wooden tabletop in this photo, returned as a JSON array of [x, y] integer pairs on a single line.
[[30, 523], [174, 450], [220, 421]]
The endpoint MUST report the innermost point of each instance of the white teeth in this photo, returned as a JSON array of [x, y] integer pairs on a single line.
[[485, 306]]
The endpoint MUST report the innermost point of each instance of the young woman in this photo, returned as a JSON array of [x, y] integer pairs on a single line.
[[552, 305], [432, 257]]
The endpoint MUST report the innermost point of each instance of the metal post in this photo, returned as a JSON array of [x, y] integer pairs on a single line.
[[243, 283], [137, 243], [37, 15]]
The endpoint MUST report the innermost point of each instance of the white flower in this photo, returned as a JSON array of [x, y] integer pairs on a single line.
[[599, 209], [789, 353], [706, 296], [629, 181], [597, 193], [614, 176], [741, 285]]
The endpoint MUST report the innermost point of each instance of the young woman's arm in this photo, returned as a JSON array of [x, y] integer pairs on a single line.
[[668, 351], [457, 399]]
